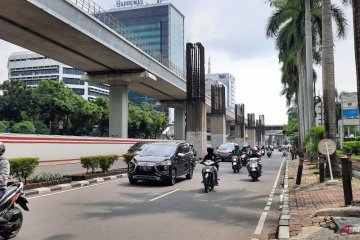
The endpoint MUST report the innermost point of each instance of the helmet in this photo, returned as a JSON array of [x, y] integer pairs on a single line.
[[236, 146], [254, 149], [2, 148], [210, 149]]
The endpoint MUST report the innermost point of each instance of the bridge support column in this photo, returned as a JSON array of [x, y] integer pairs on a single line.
[[118, 111], [196, 127], [240, 124], [179, 124], [218, 119], [251, 140]]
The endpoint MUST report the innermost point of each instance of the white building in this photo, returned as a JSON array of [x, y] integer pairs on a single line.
[[31, 68], [229, 81]]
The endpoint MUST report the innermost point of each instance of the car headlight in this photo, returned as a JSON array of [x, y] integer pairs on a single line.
[[166, 162]]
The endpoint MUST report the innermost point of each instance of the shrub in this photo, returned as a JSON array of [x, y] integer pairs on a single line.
[[353, 146], [105, 162], [23, 127], [128, 157], [41, 128], [102, 161], [46, 177], [2, 127], [22, 168]]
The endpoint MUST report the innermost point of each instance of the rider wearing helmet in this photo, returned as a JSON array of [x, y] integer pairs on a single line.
[[4, 170], [255, 154], [236, 151], [211, 156]]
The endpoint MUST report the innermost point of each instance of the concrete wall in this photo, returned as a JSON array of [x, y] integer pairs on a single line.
[[62, 148]]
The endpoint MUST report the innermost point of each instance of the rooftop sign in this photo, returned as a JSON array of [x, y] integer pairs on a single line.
[[132, 3]]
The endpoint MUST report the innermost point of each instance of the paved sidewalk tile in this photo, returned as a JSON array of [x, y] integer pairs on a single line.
[[310, 197]]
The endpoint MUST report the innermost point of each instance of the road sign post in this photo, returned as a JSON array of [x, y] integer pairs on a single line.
[[328, 147]]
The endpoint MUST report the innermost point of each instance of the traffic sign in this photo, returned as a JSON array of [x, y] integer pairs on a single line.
[[329, 144]]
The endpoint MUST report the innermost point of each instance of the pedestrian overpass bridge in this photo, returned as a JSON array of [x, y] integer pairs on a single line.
[[80, 34]]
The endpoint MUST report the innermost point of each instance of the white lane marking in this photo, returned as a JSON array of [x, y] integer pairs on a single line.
[[73, 189], [151, 200], [261, 223], [262, 219]]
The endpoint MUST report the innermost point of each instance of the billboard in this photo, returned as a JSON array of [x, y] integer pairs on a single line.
[[350, 113]]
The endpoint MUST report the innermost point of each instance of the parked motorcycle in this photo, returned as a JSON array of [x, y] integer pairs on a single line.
[[208, 173], [254, 168], [11, 217], [269, 153], [236, 164]]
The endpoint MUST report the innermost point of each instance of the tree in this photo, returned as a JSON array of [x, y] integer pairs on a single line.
[[23, 127], [328, 78], [16, 101]]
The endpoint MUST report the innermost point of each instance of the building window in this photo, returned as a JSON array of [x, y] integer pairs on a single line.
[[74, 81], [79, 91], [72, 71]]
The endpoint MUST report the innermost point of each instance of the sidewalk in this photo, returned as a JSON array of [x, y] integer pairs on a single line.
[[310, 197]]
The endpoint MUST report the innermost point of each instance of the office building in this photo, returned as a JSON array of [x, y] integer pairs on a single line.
[[31, 68], [160, 25], [229, 81]]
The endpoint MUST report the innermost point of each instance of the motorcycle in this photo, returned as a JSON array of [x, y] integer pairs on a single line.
[[236, 164], [254, 168], [243, 159], [262, 152], [268, 153], [284, 154], [208, 173], [11, 217]]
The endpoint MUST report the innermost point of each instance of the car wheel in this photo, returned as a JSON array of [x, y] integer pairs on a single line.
[[172, 179], [132, 180], [191, 173]]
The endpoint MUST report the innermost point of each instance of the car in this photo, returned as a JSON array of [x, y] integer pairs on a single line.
[[162, 161], [136, 148], [224, 151]]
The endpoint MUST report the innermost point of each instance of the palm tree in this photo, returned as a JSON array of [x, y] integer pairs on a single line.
[[287, 26], [328, 77]]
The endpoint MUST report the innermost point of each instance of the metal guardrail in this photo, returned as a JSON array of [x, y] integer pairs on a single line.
[[96, 11]]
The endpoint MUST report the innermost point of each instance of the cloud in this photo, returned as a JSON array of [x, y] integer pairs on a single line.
[[6, 49]]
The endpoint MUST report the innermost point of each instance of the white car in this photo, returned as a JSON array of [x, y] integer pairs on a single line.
[[224, 150]]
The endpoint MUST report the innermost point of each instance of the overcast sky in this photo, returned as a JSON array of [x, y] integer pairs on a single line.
[[233, 34]]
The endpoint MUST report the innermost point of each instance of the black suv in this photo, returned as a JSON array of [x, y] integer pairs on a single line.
[[162, 161]]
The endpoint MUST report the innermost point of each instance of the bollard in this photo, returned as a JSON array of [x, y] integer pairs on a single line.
[[299, 173], [350, 172], [321, 168], [346, 178]]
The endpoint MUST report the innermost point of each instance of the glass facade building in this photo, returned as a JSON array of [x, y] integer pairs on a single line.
[[31, 68], [160, 25], [229, 81]]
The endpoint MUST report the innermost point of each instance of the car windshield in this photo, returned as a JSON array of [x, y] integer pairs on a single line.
[[158, 150], [226, 146], [137, 146]]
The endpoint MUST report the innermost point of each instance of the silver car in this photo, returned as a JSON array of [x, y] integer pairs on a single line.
[[224, 151]]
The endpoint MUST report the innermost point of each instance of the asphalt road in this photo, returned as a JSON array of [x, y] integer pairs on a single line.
[[118, 210]]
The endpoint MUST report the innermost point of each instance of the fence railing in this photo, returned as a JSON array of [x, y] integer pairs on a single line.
[[95, 10]]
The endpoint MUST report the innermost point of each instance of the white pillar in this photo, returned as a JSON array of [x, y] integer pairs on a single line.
[[118, 112], [179, 124]]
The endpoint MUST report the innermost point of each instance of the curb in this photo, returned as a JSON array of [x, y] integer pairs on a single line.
[[75, 184], [284, 229]]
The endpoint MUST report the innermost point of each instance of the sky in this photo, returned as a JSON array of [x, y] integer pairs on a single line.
[[233, 34]]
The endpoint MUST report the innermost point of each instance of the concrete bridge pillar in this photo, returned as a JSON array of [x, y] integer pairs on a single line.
[[196, 108], [240, 124], [179, 124], [118, 111], [118, 100], [251, 140], [218, 119]]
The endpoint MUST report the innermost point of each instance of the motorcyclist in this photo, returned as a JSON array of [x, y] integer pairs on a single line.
[[255, 154], [211, 156], [236, 150], [4, 170]]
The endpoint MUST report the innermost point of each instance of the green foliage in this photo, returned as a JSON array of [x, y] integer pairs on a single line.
[[41, 128], [23, 127], [312, 139], [22, 168], [128, 157], [105, 162], [46, 177], [2, 127], [353, 146]]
